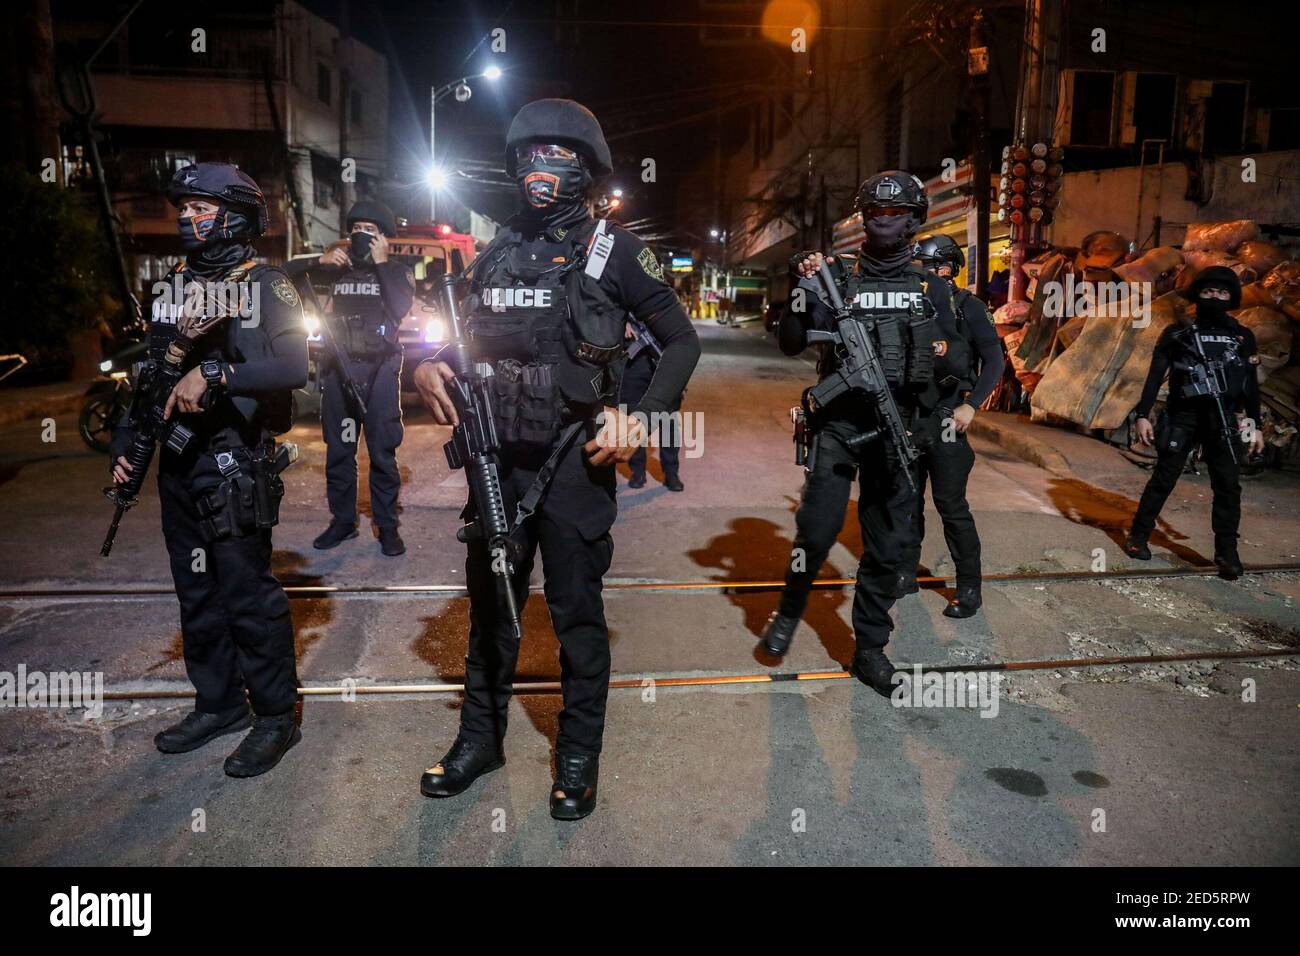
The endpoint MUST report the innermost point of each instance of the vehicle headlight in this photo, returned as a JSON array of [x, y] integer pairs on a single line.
[[434, 330]]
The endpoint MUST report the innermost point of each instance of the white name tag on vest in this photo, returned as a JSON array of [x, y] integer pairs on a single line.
[[602, 244]]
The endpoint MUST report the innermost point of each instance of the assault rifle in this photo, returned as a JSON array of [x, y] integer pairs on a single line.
[[1208, 380], [642, 335], [859, 369], [350, 386], [474, 446], [155, 385]]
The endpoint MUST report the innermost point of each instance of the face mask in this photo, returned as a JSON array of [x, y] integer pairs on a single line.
[[889, 233], [553, 193], [223, 226], [361, 243], [196, 230]]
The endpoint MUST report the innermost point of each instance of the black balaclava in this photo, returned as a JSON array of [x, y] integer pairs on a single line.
[[1213, 311], [554, 194], [888, 247], [216, 242]]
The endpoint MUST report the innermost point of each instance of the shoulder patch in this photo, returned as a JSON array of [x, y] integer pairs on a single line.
[[650, 263], [284, 291]]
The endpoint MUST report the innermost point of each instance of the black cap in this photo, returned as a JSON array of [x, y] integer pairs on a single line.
[[372, 210], [564, 123]]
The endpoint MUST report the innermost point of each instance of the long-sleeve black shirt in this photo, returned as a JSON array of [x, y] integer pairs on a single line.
[[1231, 343], [984, 340]]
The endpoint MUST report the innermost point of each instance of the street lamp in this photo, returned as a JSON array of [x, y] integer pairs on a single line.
[[463, 91]]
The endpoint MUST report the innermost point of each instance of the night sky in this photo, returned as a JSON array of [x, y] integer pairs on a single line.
[[657, 90]]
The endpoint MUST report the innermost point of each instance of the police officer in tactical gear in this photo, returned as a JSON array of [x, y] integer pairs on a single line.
[[370, 294], [1227, 351], [546, 309], [219, 497], [975, 360], [909, 314]]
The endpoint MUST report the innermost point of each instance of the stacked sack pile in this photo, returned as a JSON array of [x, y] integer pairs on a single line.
[[1088, 371], [1270, 307]]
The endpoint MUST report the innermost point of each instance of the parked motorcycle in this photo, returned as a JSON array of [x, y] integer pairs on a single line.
[[109, 396]]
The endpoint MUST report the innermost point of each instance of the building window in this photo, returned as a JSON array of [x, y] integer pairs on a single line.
[[323, 83], [1225, 117], [1092, 95], [1153, 106]]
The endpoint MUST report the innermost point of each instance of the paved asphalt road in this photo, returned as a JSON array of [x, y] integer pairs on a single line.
[[1144, 764]]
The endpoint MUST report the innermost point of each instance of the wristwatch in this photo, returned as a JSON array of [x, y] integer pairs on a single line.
[[211, 371]]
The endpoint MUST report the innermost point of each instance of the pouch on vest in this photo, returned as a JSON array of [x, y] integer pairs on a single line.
[[594, 352]]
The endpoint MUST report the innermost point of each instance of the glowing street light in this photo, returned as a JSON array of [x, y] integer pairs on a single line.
[[713, 233], [492, 72], [435, 177]]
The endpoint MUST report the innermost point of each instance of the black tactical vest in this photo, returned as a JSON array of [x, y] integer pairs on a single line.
[[365, 328], [552, 335], [1221, 343], [901, 317], [236, 340]]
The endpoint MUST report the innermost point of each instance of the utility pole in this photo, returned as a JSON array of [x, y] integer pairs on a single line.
[[977, 65], [1040, 65], [347, 189]]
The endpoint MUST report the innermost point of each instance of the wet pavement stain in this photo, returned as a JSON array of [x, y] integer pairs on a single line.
[[1024, 782], [1090, 779]]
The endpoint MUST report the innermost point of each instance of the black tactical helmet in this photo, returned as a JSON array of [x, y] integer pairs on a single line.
[[934, 250], [893, 187], [1216, 275], [564, 123], [372, 210], [224, 182]]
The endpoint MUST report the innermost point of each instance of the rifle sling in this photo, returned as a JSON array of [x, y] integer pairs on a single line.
[[533, 496]]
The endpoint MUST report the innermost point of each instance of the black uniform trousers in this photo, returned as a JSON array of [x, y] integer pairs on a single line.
[[946, 465], [1186, 427], [379, 382], [886, 511], [636, 380], [571, 527], [235, 626]]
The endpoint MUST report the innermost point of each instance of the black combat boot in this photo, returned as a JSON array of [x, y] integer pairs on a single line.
[[197, 728], [965, 603], [268, 741], [1135, 546], [334, 535], [466, 761], [779, 633], [1227, 561], [637, 480], [673, 483], [391, 543], [574, 793], [872, 667], [905, 584]]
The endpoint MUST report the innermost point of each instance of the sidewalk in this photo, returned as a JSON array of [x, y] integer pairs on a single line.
[[41, 401]]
